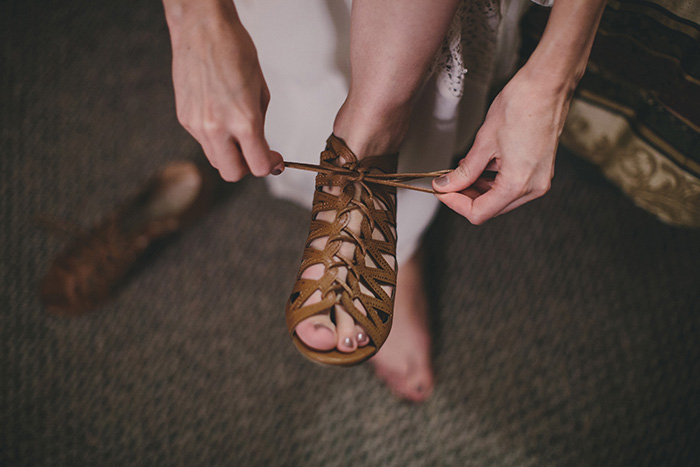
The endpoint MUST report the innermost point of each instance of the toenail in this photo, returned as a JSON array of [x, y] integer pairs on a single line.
[[347, 342], [360, 337], [322, 326]]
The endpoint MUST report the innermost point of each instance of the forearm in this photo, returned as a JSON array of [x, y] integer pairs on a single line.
[[560, 58], [220, 92], [182, 15]]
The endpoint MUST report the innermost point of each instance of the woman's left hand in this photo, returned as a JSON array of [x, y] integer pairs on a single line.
[[519, 140], [521, 132]]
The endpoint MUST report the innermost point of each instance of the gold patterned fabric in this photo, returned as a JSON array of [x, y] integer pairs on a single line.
[[636, 113]]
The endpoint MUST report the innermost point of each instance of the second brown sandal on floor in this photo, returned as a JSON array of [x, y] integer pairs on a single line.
[[88, 272], [370, 284]]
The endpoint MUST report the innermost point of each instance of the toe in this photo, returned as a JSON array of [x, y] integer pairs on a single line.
[[318, 332], [415, 384], [346, 329], [361, 336], [417, 388]]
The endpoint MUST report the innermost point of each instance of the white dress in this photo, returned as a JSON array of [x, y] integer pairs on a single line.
[[303, 48]]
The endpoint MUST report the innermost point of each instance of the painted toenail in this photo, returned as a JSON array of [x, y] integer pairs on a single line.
[[360, 337], [347, 342]]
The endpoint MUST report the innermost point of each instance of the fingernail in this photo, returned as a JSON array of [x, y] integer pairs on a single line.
[[442, 181], [276, 171]]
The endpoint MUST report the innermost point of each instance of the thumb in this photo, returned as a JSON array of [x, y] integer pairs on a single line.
[[260, 159], [278, 160], [464, 176]]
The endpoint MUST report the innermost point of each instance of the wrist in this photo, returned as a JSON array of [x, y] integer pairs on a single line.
[[553, 78], [560, 58]]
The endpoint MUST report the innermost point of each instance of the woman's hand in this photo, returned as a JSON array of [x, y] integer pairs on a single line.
[[521, 132], [220, 93], [519, 140]]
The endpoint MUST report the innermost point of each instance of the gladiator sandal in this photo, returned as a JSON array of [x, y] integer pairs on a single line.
[[367, 293], [374, 261]]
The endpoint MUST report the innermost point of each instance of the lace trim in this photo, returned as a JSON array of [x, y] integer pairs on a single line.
[[470, 44], [449, 63]]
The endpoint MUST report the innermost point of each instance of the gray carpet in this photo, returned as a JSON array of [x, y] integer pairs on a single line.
[[566, 332]]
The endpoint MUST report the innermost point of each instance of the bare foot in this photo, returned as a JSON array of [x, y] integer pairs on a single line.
[[403, 363]]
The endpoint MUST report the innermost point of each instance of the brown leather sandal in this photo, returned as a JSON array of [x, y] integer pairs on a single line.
[[88, 272], [374, 262]]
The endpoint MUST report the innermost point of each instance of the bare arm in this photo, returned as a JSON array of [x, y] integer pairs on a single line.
[[220, 93], [521, 132]]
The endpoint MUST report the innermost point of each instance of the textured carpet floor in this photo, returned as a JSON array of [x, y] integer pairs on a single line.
[[567, 331]]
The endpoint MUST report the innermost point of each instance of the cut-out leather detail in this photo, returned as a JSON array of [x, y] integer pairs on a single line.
[[376, 202]]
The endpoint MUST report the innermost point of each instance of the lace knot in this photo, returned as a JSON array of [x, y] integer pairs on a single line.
[[358, 174]]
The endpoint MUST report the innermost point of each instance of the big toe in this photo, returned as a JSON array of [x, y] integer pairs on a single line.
[[317, 332]]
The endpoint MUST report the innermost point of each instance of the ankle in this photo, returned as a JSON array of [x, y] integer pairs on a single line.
[[371, 129]]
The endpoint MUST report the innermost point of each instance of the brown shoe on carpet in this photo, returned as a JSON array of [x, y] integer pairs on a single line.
[[87, 273]]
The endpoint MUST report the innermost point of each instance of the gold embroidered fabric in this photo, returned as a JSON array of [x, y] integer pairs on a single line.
[[636, 113]]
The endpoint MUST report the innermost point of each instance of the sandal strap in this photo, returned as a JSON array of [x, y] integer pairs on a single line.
[[368, 187]]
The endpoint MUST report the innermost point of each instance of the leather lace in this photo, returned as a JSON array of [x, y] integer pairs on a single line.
[[361, 174]]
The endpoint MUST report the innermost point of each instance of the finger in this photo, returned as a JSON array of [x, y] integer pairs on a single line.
[[467, 172], [533, 191], [480, 208], [481, 186], [530, 196], [223, 153], [209, 155], [264, 99], [491, 203], [257, 154], [492, 166], [279, 168], [209, 152], [460, 203]]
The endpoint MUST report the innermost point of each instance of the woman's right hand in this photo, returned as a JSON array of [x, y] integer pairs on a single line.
[[220, 93]]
